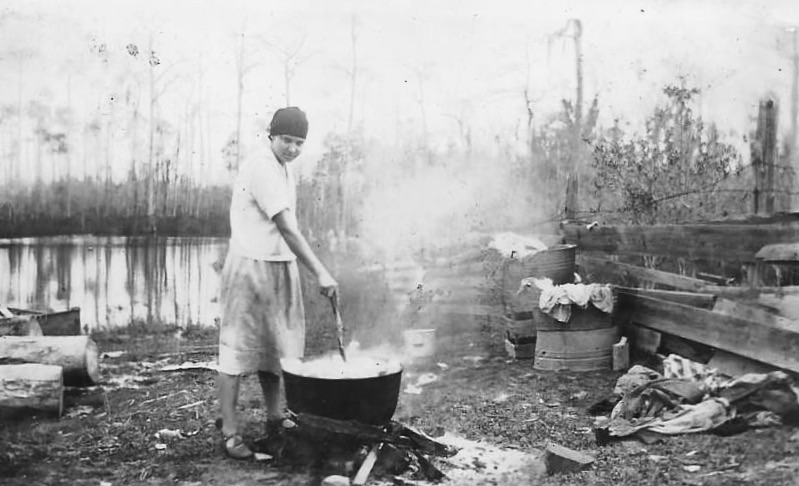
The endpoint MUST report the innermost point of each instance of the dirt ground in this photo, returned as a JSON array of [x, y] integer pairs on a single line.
[[109, 435]]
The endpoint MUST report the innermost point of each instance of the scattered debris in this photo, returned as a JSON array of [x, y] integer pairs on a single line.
[[426, 379], [166, 434], [482, 463], [336, 480], [191, 405], [559, 459], [191, 365], [416, 387], [261, 457], [671, 406], [80, 411], [579, 395]]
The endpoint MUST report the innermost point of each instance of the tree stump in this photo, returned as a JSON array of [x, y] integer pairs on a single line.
[[78, 355]]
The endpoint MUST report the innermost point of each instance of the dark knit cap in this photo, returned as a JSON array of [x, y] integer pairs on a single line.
[[289, 121]]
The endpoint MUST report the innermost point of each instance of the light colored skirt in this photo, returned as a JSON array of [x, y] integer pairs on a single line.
[[263, 318]]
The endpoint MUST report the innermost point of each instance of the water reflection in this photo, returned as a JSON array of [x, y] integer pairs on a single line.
[[115, 280]]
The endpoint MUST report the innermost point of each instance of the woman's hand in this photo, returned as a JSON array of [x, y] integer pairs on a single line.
[[327, 285]]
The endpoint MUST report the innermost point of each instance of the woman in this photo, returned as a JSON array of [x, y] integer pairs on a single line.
[[263, 319]]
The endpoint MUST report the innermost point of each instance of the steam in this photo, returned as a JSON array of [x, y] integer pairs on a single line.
[[443, 206]]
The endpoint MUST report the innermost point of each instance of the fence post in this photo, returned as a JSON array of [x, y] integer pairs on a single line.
[[764, 152], [572, 189]]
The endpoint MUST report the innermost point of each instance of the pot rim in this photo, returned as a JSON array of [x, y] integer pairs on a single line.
[[290, 366]]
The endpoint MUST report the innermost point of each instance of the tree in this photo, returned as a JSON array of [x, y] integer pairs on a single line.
[[291, 55], [673, 173]]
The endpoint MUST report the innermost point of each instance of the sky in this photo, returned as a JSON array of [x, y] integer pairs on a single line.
[[431, 63]]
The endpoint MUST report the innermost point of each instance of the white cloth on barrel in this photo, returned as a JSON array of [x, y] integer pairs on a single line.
[[263, 319], [556, 300]]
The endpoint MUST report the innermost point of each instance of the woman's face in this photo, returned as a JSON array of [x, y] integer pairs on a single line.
[[287, 147]]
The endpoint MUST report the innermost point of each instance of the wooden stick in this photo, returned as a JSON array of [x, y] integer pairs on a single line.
[[366, 466]]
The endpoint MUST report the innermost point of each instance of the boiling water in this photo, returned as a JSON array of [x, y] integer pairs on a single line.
[[333, 367]]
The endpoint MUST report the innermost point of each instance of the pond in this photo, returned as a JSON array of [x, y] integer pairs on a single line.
[[115, 280]]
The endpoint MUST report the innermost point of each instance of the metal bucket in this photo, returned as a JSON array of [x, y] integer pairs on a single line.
[[585, 343], [556, 263], [420, 343]]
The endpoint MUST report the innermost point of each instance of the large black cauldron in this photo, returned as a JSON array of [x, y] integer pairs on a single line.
[[371, 400]]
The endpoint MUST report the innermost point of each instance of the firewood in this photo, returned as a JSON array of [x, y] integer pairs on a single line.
[[366, 466], [78, 355], [31, 386], [423, 442], [351, 428]]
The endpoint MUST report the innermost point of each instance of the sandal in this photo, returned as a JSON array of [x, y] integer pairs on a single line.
[[236, 448], [234, 445]]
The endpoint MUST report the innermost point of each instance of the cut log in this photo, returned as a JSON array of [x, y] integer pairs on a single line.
[[31, 387], [20, 326], [78, 355]]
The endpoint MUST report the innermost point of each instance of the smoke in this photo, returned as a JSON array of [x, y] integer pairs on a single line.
[[445, 206], [414, 218]]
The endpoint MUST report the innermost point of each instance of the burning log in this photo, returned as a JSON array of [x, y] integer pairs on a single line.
[[77, 355], [31, 386]]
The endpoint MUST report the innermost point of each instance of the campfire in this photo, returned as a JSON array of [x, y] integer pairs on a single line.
[[344, 412], [355, 449]]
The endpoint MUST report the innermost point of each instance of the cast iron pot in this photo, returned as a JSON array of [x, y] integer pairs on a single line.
[[370, 400]]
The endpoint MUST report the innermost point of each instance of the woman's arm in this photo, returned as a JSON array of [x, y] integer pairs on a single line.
[[286, 222]]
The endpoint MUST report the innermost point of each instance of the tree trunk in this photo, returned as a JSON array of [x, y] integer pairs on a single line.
[[31, 386], [78, 355]]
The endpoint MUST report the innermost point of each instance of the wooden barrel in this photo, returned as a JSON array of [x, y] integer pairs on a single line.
[[585, 343], [519, 325]]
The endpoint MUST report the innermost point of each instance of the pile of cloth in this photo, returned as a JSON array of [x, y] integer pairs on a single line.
[[689, 398], [557, 300]]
